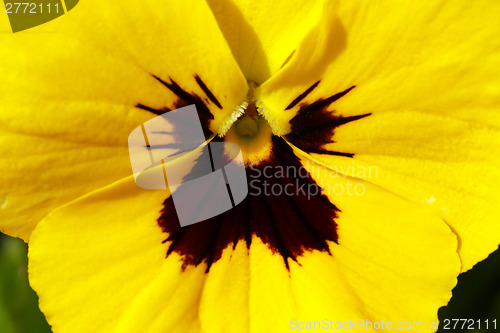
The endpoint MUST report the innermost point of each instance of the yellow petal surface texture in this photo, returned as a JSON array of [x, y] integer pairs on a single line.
[[390, 251], [88, 276], [263, 34], [110, 273], [425, 80], [73, 89]]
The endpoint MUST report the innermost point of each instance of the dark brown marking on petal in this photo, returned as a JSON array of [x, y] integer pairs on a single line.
[[211, 251], [184, 99], [284, 160], [289, 225], [321, 104], [326, 122], [303, 95], [314, 125], [152, 110], [329, 152], [207, 91]]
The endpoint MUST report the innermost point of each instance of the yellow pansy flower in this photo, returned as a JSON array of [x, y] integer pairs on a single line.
[[399, 99]]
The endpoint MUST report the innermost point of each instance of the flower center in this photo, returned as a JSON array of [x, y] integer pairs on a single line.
[[249, 130], [248, 116], [290, 223], [253, 135], [247, 127]]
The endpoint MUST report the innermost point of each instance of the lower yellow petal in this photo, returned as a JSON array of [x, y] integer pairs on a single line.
[[99, 264], [390, 252], [225, 301], [90, 260]]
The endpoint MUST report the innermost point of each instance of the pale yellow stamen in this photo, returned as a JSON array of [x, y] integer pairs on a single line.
[[251, 108]]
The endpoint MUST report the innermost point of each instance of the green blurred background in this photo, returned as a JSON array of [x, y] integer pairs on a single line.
[[19, 311], [477, 295]]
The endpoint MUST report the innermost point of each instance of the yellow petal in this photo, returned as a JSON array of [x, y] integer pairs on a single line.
[[390, 251], [193, 301], [171, 40], [429, 75], [226, 291], [263, 34], [70, 90], [109, 273], [106, 248], [434, 57], [448, 165], [113, 275]]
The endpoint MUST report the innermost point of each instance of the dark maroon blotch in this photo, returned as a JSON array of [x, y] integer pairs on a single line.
[[288, 224], [314, 125]]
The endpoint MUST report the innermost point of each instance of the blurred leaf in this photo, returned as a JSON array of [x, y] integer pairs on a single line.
[[477, 295], [19, 311]]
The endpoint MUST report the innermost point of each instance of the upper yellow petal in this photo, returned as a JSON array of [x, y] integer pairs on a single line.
[[263, 34], [70, 87], [428, 74]]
